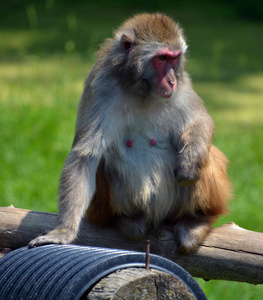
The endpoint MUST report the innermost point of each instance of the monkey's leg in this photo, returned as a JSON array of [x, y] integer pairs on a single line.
[[203, 202]]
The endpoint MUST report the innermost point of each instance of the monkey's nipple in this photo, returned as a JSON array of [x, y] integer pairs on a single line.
[[129, 143], [152, 142]]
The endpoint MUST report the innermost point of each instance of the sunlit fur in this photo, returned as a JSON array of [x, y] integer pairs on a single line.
[[181, 179]]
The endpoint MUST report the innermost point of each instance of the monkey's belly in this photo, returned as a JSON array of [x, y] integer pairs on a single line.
[[143, 180]]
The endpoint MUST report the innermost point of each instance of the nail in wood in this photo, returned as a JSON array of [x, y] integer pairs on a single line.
[[147, 258]]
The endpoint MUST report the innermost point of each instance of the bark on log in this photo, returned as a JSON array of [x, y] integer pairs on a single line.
[[141, 284], [229, 252]]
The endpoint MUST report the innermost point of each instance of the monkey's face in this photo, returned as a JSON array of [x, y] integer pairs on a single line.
[[153, 53], [165, 63]]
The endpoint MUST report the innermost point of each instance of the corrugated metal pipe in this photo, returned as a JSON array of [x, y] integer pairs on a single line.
[[68, 271]]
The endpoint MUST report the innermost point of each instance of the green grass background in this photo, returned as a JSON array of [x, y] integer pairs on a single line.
[[46, 50]]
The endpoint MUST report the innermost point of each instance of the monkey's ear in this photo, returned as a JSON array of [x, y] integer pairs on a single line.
[[127, 42]]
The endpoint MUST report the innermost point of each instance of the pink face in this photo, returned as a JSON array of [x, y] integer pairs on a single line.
[[164, 63]]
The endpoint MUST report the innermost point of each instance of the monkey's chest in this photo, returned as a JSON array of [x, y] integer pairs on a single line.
[[143, 175], [144, 152]]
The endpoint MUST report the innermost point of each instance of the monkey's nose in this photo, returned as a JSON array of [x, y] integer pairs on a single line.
[[172, 83]]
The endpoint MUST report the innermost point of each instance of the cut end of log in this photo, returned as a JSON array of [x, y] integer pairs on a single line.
[[141, 283]]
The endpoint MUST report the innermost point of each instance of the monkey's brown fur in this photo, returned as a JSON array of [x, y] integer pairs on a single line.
[[142, 152]]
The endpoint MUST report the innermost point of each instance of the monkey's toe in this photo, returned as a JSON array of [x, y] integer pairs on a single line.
[[54, 237], [40, 241]]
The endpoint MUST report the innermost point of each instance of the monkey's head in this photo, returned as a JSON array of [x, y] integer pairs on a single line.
[[150, 55]]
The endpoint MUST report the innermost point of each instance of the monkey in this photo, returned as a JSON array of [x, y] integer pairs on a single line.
[[142, 154]]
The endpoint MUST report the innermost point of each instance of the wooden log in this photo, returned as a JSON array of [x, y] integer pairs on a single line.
[[141, 284], [229, 252]]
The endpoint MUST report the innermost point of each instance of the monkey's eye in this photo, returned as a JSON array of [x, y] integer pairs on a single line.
[[162, 57], [176, 57]]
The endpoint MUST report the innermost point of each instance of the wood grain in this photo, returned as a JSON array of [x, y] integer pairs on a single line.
[[229, 252]]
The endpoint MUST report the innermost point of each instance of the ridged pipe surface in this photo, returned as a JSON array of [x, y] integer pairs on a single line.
[[68, 271]]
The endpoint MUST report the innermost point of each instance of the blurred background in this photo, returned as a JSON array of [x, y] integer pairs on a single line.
[[46, 50]]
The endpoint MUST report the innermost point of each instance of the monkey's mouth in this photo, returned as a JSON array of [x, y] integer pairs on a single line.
[[164, 94], [166, 85]]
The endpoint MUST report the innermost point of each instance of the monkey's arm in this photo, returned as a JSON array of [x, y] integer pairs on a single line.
[[193, 147], [77, 187], [78, 178]]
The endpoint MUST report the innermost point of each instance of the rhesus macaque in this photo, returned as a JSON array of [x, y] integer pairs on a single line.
[[142, 152]]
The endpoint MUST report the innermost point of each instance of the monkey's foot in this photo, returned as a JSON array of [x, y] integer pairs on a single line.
[[59, 236], [189, 234], [132, 228]]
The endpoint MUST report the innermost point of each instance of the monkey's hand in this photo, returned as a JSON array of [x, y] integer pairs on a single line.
[[56, 236], [189, 164]]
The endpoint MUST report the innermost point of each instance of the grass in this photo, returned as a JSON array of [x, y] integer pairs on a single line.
[[46, 51]]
